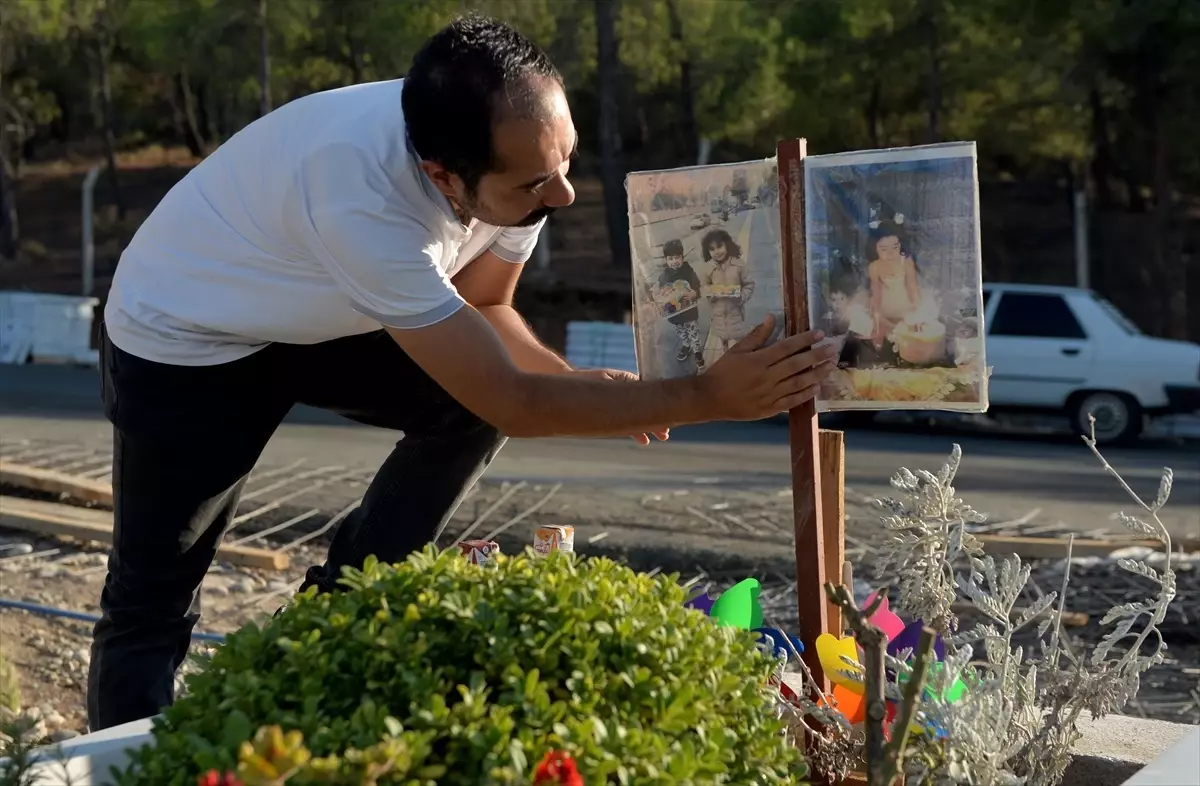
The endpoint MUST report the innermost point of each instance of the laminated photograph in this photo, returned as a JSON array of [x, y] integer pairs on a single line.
[[894, 273], [705, 247], [895, 276]]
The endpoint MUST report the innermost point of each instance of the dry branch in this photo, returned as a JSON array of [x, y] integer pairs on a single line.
[[884, 762]]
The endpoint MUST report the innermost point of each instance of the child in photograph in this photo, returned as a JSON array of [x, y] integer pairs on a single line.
[[679, 292], [895, 289], [728, 285], [850, 318], [848, 300]]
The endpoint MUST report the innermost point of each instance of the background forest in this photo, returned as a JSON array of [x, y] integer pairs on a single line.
[[1096, 96]]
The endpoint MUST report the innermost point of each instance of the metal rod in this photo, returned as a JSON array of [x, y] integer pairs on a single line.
[[276, 528], [88, 271], [51, 611]]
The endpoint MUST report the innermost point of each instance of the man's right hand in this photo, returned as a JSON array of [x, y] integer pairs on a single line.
[[753, 381]]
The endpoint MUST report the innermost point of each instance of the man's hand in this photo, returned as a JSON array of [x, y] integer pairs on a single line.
[[752, 381], [617, 375]]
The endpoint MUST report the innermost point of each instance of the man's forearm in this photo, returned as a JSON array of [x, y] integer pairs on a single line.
[[527, 352], [551, 406], [586, 408], [466, 356]]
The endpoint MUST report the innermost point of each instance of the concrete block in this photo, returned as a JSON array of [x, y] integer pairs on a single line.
[[87, 760], [1115, 748], [1179, 766]]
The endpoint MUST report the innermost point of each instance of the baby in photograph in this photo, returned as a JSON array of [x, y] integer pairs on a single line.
[[905, 316], [895, 289], [677, 296], [727, 285]]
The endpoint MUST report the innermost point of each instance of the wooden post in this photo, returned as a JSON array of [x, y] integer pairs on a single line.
[[803, 429], [833, 516]]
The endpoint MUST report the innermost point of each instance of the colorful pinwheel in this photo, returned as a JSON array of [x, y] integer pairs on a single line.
[[738, 607], [848, 692]]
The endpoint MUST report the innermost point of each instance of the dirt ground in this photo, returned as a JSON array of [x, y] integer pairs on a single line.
[[718, 534], [52, 653]]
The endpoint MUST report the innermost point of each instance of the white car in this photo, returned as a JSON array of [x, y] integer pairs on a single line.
[[699, 221], [1067, 350]]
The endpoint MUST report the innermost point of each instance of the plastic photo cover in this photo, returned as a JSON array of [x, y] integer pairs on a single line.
[[895, 276], [706, 262]]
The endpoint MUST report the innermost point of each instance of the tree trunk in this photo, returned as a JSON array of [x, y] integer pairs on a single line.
[[874, 104], [1102, 157], [9, 227], [103, 45], [607, 67], [191, 125], [264, 60], [1170, 258], [935, 73], [10, 234], [211, 111], [690, 129], [354, 50], [356, 58]]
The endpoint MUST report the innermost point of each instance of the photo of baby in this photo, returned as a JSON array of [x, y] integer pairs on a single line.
[[894, 276], [705, 246]]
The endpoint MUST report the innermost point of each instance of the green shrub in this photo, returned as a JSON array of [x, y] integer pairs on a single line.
[[470, 675]]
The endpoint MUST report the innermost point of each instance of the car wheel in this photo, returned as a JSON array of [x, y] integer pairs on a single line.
[[1118, 417]]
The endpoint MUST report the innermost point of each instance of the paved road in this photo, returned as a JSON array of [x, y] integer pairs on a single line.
[[1005, 477]]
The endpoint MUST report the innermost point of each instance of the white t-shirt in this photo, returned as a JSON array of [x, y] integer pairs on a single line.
[[312, 223]]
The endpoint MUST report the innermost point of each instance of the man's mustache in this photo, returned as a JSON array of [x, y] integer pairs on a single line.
[[535, 216]]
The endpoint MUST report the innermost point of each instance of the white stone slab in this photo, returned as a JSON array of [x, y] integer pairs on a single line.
[[87, 760], [1178, 766], [1116, 748]]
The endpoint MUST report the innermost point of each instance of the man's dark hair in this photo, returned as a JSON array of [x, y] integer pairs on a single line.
[[719, 237], [460, 82], [673, 248]]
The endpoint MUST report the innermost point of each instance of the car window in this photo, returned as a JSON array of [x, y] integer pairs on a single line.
[[987, 295], [1118, 317], [1035, 316]]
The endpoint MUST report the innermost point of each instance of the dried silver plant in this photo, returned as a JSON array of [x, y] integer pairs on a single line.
[[1001, 708], [928, 527]]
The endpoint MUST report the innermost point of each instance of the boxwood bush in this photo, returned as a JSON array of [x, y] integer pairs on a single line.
[[436, 670]]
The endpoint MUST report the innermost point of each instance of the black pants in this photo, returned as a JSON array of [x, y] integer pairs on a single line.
[[184, 441]]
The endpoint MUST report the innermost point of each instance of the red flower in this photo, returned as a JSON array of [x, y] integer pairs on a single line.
[[557, 767], [214, 778]]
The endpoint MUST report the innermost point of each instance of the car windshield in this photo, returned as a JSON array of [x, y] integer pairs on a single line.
[[1125, 322]]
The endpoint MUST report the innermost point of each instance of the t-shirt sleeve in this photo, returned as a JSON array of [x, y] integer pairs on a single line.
[[371, 243], [515, 244]]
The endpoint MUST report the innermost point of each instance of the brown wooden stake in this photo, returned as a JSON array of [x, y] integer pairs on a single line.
[[69, 521], [54, 482], [803, 428], [833, 515]]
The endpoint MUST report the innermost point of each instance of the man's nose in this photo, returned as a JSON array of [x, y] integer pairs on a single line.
[[558, 193]]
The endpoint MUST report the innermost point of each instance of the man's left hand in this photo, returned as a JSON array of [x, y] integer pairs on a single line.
[[617, 375]]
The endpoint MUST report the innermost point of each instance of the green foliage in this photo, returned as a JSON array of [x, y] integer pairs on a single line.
[[1018, 77], [468, 675], [1107, 91]]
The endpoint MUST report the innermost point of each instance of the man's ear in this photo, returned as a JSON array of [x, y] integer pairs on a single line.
[[443, 180]]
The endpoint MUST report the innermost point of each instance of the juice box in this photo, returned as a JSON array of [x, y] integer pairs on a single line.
[[553, 538], [479, 552]]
